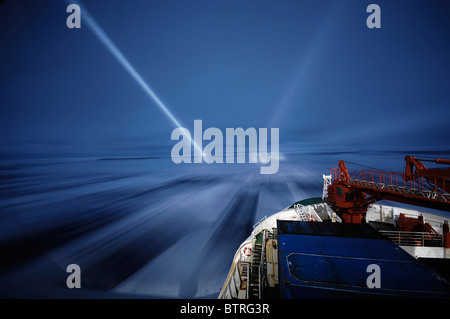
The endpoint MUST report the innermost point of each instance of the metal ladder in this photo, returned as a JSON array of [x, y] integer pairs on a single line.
[[300, 210], [254, 272], [258, 275]]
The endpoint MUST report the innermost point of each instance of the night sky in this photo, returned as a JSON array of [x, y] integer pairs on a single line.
[[311, 68]]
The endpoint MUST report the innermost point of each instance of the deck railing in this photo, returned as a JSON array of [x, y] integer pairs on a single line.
[[406, 238], [396, 179], [430, 188], [261, 268]]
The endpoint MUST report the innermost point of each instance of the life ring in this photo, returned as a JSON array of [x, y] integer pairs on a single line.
[[247, 251]]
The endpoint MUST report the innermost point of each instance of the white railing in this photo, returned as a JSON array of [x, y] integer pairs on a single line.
[[261, 265], [245, 272], [407, 238], [260, 226], [326, 182], [306, 213]]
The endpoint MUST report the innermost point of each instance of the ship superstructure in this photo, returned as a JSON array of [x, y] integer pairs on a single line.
[[344, 245]]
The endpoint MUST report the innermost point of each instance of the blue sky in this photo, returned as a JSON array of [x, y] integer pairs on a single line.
[[311, 68]]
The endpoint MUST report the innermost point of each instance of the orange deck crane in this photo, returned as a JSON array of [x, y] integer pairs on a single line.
[[351, 194]]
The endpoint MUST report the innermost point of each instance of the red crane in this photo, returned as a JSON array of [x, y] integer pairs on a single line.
[[351, 194]]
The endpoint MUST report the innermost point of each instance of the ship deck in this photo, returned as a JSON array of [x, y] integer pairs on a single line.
[[295, 255], [330, 260]]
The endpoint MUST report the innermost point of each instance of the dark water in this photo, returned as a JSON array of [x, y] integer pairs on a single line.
[[142, 226]]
